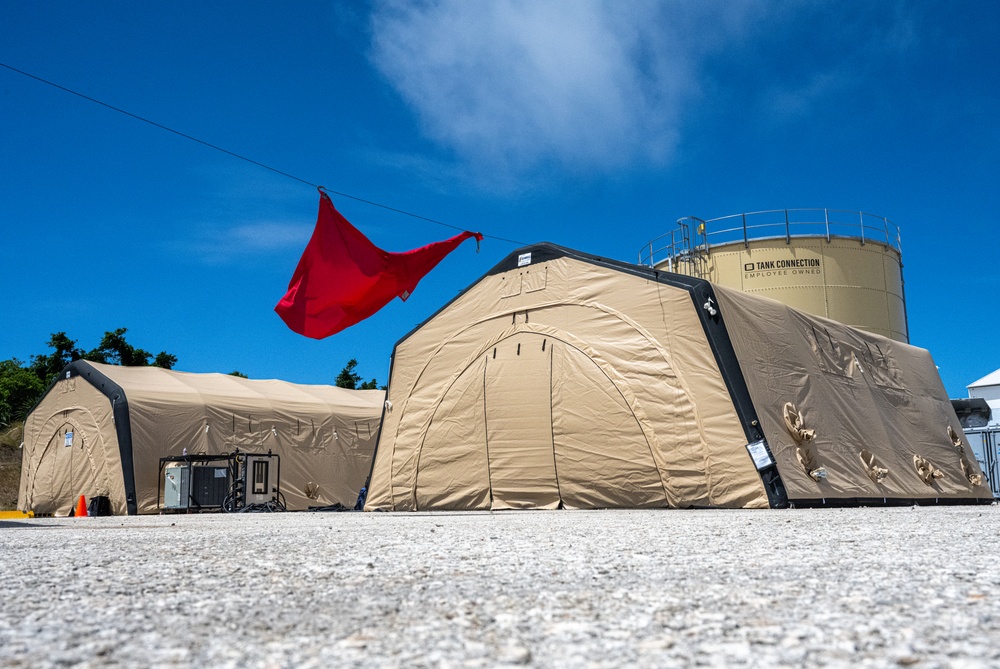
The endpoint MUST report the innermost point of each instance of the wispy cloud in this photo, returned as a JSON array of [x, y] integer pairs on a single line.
[[268, 236], [800, 57], [513, 85], [219, 246], [597, 86], [783, 102], [246, 214]]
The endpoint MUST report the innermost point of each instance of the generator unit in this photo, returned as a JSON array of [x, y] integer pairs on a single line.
[[197, 486], [230, 482]]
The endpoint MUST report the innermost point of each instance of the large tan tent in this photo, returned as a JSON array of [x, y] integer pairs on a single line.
[[102, 429], [561, 379]]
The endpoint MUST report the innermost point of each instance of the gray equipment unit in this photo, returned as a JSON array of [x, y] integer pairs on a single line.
[[187, 486], [176, 486], [975, 414], [985, 444]]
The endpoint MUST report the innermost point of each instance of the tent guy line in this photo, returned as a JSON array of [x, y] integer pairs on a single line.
[[242, 157]]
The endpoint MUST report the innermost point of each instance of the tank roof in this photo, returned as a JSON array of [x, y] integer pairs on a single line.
[[694, 234]]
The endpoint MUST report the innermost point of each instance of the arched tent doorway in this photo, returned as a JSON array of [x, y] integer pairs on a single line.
[[72, 462], [551, 454]]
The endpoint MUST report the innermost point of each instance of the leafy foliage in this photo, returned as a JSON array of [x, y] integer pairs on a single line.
[[114, 350], [349, 379], [64, 351], [21, 386], [10, 465], [164, 360]]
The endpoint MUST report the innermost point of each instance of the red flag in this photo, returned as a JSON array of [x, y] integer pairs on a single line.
[[342, 278]]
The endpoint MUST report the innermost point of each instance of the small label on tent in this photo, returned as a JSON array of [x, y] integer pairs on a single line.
[[758, 451], [220, 473], [524, 259], [69, 439]]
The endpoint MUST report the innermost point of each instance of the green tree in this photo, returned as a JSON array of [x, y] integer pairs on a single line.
[[20, 389], [236, 373], [349, 379], [114, 350], [165, 360], [64, 351], [21, 386]]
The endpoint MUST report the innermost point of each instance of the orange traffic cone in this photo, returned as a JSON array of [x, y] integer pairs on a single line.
[[81, 507]]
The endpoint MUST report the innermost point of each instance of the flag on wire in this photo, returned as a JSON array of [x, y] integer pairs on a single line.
[[342, 278]]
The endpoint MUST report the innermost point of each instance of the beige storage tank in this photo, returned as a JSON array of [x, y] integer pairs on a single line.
[[844, 265]]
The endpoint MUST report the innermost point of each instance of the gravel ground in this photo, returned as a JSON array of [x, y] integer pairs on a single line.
[[837, 588]]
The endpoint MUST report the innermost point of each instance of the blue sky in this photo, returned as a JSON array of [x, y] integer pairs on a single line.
[[593, 125]]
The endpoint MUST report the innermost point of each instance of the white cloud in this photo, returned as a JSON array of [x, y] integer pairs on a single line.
[[512, 85], [268, 236], [808, 56], [215, 246], [782, 103], [598, 85], [246, 213]]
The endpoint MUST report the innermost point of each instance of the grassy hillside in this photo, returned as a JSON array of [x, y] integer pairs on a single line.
[[10, 465]]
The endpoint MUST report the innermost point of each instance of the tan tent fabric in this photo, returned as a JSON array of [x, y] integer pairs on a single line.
[[324, 435], [566, 380], [56, 467], [872, 402], [561, 383]]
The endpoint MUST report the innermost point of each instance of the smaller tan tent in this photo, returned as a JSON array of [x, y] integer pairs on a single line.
[[102, 429], [561, 379]]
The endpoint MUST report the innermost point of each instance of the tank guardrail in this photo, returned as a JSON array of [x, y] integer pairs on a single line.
[[696, 237]]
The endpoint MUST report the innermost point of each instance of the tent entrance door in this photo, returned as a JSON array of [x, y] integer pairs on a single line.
[[535, 422], [518, 384], [72, 463]]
